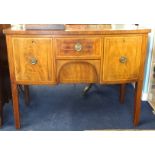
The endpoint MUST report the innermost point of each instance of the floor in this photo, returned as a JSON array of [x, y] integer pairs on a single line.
[[64, 108]]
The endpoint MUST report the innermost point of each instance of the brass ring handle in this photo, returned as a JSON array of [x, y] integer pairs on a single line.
[[123, 59], [78, 47], [33, 61]]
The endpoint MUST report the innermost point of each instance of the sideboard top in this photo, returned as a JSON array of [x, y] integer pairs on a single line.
[[40, 29]]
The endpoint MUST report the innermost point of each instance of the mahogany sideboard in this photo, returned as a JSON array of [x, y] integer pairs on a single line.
[[87, 55]]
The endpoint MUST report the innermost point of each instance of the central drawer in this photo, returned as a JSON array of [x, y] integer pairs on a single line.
[[89, 47]]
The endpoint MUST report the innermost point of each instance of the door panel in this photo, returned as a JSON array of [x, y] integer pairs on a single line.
[[121, 58], [33, 59]]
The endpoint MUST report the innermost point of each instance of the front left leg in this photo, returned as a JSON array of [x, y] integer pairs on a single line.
[[15, 101]]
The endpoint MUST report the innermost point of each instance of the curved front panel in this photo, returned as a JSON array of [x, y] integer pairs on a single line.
[[86, 71]]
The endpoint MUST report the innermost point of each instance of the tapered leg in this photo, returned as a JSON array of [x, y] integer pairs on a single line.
[[87, 88], [137, 102], [15, 105], [26, 94], [122, 93]]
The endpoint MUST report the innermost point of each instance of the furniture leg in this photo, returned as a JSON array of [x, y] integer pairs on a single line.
[[26, 94], [20, 89], [137, 102], [122, 93], [15, 105], [87, 88]]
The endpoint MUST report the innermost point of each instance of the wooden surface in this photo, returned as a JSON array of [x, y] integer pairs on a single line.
[[122, 93], [105, 56], [83, 30], [139, 83], [78, 71], [90, 47], [26, 94], [117, 47], [32, 59]]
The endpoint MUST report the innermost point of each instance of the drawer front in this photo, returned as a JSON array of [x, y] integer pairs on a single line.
[[78, 71], [33, 59], [122, 57], [82, 46]]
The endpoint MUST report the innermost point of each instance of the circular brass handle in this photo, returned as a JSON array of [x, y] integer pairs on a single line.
[[78, 47], [33, 61], [123, 59]]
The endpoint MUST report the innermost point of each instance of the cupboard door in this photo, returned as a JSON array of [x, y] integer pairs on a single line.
[[33, 59], [122, 57]]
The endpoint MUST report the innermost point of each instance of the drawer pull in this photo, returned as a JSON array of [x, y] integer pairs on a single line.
[[78, 47], [123, 59], [33, 61]]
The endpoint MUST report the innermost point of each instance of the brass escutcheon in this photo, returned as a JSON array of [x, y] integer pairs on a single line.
[[123, 59], [78, 47], [33, 61]]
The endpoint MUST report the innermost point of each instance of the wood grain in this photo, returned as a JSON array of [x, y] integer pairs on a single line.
[[27, 50], [14, 89], [65, 47], [15, 101], [117, 47], [97, 62], [77, 32], [75, 71], [139, 83]]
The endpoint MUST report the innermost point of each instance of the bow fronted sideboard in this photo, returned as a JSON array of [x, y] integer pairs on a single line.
[[80, 54]]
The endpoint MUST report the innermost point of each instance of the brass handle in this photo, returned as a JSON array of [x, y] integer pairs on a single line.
[[33, 61], [78, 47], [123, 59]]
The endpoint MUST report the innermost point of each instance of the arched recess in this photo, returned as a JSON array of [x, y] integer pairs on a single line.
[[78, 71]]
